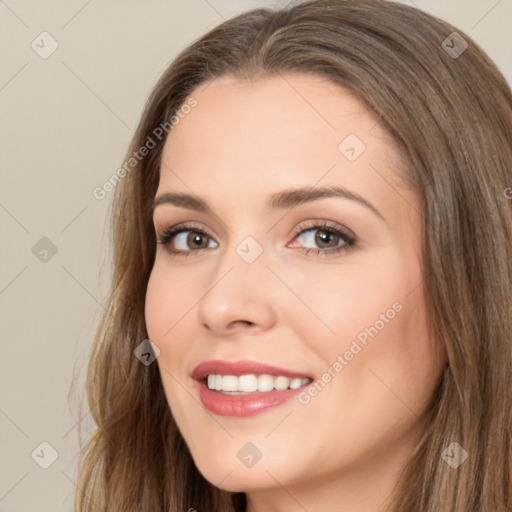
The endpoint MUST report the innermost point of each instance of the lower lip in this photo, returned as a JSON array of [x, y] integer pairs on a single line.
[[244, 405]]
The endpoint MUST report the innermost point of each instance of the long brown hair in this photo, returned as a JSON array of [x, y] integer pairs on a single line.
[[450, 111]]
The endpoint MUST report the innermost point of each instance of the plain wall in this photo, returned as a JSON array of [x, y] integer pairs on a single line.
[[66, 123]]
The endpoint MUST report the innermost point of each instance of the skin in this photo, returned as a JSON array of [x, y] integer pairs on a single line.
[[243, 141]]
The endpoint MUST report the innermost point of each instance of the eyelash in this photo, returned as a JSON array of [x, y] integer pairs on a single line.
[[350, 241]]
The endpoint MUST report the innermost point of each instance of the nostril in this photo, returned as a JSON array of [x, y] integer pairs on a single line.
[[241, 323]]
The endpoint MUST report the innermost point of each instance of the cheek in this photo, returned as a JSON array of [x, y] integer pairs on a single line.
[[351, 298], [388, 373], [171, 303], [168, 299], [379, 377], [378, 348], [166, 306]]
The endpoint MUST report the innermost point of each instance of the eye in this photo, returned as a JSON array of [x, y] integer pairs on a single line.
[[184, 237], [329, 238]]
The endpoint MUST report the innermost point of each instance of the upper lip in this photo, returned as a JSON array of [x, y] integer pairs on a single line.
[[237, 368]]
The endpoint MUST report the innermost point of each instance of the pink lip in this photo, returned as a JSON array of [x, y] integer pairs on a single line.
[[242, 405], [237, 368]]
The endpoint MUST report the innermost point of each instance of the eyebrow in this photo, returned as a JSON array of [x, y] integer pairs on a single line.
[[279, 200]]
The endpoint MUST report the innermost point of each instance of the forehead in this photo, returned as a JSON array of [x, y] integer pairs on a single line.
[[307, 107], [248, 138]]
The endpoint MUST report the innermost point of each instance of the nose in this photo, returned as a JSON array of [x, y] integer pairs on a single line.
[[240, 297]]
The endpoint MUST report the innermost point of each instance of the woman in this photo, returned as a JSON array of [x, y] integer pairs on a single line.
[[371, 373]]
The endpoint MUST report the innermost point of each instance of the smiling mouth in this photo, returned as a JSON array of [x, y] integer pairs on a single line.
[[252, 383]]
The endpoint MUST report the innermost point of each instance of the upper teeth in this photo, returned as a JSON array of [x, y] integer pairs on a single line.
[[249, 383]]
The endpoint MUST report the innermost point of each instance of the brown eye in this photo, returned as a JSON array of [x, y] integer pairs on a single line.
[[185, 239], [324, 239], [196, 240]]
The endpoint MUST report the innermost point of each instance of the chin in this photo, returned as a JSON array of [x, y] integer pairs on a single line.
[[235, 480]]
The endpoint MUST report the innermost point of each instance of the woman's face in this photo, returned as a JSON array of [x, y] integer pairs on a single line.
[[321, 288]]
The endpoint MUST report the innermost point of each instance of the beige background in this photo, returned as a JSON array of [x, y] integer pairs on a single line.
[[66, 122]]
